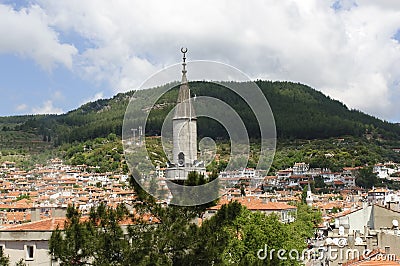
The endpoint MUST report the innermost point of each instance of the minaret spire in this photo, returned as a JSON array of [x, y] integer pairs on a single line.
[[184, 71], [185, 109]]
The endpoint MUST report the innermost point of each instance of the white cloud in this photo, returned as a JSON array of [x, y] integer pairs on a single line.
[[347, 53], [26, 32], [57, 95], [47, 108], [21, 107]]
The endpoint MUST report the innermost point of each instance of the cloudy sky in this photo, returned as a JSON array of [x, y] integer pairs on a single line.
[[56, 55]]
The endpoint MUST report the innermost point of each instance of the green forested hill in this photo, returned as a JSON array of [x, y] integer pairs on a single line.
[[91, 120], [300, 113]]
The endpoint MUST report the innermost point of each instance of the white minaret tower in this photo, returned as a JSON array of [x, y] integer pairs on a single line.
[[184, 127], [309, 198], [184, 133]]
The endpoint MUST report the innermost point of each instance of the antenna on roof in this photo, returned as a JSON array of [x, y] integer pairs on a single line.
[[395, 223]]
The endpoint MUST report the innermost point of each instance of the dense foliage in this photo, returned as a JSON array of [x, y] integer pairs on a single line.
[[299, 111], [106, 154], [99, 155], [233, 235], [366, 178], [310, 127], [333, 153]]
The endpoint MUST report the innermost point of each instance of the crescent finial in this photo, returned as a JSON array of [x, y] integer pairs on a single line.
[[184, 50]]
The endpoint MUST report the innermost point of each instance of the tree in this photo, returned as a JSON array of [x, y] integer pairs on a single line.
[[140, 192], [366, 178], [213, 236], [304, 194], [232, 236], [4, 260], [319, 182], [75, 244], [21, 262], [211, 190], [109, 244], [169, 243], [23, 196], [242, 190], [251, 231], [99, 240], [306, 220], [112, 137]]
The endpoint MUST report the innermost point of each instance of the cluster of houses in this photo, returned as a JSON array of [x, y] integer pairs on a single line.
[[297, 177], [301, 174], [56, 185], [33, 203]]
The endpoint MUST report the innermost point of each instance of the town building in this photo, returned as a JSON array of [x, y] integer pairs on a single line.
[[285, 212]]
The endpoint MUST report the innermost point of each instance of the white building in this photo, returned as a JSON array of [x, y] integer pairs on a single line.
[[385, 170], [300, 168], [29, 241]]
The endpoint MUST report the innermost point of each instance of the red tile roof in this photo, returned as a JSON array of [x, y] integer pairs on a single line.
[[18, 216], [49, 224], [256, 204]]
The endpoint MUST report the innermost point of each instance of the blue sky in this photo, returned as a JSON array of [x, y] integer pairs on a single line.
[[58, 55], [27, 88]]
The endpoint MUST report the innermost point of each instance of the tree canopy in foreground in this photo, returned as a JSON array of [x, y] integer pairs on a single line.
[[233, 235]]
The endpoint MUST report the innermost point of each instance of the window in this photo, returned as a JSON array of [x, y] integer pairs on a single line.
[[284, 216], [181, 159], [30, 252]]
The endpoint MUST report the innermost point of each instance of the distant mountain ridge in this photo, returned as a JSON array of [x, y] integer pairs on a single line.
[[300, 113]]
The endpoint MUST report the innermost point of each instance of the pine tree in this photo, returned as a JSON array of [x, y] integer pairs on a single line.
[[75, 244], [4, 260]]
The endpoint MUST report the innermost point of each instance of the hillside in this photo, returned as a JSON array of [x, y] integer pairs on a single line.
[[300, 113]]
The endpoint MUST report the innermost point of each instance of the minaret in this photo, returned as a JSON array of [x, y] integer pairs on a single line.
[[309, 198], [184, 127], [184, 134]]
